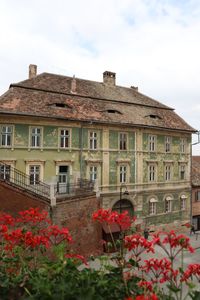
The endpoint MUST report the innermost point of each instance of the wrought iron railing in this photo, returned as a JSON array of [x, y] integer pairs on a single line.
[[82, 186], [15, 177]]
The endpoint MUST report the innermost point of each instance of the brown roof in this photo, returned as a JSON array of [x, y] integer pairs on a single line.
[[196, 170], [50, 95]]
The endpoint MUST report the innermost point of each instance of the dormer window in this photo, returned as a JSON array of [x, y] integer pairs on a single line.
[[60, 105], [113, 111], [153, 116]]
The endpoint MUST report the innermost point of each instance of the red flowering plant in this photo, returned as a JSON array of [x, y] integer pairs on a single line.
[[27, 240], [159, 279]]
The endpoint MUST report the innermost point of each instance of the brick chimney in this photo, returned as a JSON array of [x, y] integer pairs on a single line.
[[109, 78], [32, 71]]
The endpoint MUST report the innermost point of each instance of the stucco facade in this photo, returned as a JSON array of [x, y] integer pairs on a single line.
[[150, 160]]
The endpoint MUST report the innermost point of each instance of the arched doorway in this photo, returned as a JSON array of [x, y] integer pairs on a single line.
[[123, 205]]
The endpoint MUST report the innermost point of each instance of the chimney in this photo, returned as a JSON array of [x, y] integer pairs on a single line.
[[32, 71], [73, 85], [109, 78]]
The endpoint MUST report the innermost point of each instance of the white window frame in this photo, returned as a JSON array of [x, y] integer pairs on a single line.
[[93, 172], [183, 203], [35, 173], [168, 205], [183, 144], [168, 144], [36, 137], [65, 137], [152, 143], [93, 140], [168, 172], [30, 163], [152, 208], [7, 134], [123, 141], [152, 172], [123, 173]]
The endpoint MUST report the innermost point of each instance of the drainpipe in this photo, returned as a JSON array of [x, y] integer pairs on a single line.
[[81, 151]]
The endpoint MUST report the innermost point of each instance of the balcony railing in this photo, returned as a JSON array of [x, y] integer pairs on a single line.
[[82, 186]]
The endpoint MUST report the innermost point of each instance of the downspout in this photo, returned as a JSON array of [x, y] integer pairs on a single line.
[[81, 151], [191, 183]]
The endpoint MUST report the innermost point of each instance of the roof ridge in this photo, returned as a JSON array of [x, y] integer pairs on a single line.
[[85, 96]]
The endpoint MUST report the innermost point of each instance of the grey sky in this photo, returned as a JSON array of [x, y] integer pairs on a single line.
[[152, 44]]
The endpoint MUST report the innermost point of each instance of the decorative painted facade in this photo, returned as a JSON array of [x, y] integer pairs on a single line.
[[59, 129]]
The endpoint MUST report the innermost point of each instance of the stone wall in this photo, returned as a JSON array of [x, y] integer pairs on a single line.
[[76, 214]]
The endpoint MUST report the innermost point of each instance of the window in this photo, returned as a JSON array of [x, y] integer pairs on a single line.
[[64, 138], [167, 144], [34, 173], [182, 145], [168, 205], [168, 172], [93, 140], [123, 174], [152, 207], [4, 172], [182, 172], [35, 137], [93, 173], [6, 136], [152, 172], [183, 203], [123, 141], [197, 196], [152, 143]]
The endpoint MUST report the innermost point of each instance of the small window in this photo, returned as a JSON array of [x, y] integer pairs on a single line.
[[93, 140], [6, 136], [113, 111], [36, 137], [168, 172], [123, 141], [5, 172], [183, 203], [197, 196], [182, 172], [64, 138], [34, 173], [167, 144], [168, 205], [93, 173], [123, 174], [182, 145], [152, 172], [152, 208], [60, 105], [153, 116], [152, 143]]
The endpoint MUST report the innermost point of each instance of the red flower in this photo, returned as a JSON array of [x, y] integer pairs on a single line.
[[77, 256], [192, 270], [113, 217], [138, 244]]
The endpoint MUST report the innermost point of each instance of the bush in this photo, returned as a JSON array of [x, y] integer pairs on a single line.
[[36, 262]]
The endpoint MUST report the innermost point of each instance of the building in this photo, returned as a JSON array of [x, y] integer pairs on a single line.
[[61, 130], [196, 192]]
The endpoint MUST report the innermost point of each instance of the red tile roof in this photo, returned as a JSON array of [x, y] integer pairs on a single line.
[[50, 95]]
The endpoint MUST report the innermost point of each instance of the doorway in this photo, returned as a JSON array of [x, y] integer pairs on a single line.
[[63, 180]]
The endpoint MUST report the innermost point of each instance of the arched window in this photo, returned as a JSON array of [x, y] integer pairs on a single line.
[[123, 205]]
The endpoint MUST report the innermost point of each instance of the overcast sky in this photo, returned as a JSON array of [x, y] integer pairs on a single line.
[[152, 44]]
